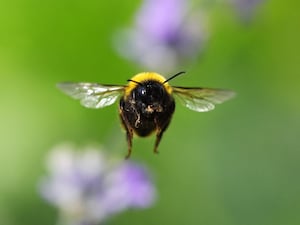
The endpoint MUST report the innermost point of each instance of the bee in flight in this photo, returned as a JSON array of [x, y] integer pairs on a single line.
[[146, 103]]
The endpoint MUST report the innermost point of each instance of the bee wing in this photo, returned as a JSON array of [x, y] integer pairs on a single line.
[[202, 99], [92, 95]]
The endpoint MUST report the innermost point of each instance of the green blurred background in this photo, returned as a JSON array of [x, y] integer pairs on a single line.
[[237, 165]]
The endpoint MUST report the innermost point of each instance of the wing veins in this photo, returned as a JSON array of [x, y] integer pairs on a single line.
[[92, 95], [202, 99]]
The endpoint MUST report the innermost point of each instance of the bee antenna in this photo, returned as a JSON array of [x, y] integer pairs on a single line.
[[175, 75], [134, 81]]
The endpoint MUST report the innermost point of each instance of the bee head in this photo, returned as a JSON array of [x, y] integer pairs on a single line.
[[150, 92]]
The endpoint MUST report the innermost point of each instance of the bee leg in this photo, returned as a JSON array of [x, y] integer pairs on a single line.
[[161, 126], [157, 141], [129, 135]]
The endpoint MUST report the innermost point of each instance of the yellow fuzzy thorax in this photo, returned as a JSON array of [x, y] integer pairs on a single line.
[[142, 77]]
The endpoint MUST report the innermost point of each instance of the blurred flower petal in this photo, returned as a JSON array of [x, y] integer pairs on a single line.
[[165, 34], [89, 186], [246, 8]]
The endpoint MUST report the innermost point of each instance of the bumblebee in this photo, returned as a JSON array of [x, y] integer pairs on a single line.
[[147, 102]]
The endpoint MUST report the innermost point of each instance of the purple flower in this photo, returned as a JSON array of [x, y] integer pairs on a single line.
[[165, 34], [246, 8], [88, 187]]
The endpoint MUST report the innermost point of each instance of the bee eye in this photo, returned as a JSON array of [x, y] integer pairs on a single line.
[[143, 91]]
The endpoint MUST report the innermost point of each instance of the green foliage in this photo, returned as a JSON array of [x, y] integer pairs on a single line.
[[238, 164]]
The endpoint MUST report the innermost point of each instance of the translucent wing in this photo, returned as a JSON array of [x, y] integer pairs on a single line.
[[202, 99], [92, 95]]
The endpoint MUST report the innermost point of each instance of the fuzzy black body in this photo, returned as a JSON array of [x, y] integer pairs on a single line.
[[146, 109]]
